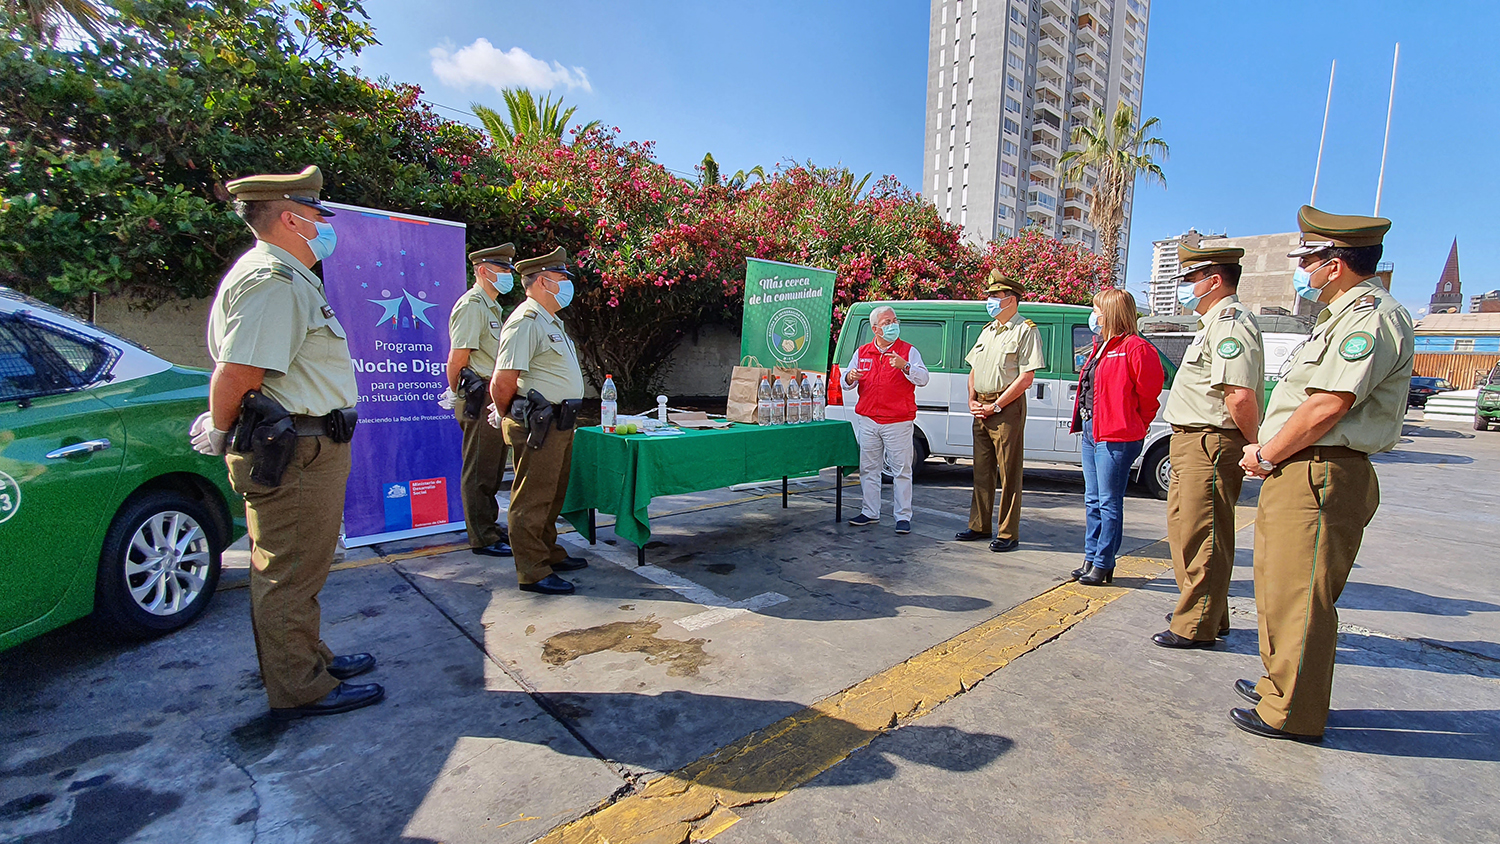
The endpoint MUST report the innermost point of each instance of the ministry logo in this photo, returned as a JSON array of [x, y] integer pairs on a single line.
[[391, 309]]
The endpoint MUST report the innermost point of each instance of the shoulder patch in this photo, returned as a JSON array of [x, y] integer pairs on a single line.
[[1366, 303], [1228, 315], [1229, 348], [529, 315], [1357, 346]]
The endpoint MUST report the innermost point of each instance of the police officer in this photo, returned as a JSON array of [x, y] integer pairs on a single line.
[[1002, 365], [272, 330], [537, 356], [1341, 398], [474, 339], [1214, 411]]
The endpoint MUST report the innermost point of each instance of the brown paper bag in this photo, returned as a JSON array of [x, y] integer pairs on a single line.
[[744, 388]]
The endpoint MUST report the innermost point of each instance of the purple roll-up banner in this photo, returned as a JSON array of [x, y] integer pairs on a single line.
[[392, 281]]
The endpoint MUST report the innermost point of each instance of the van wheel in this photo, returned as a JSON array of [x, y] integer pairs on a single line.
[[1481, 423], [919, 451], [159, 567], [1156, 471]]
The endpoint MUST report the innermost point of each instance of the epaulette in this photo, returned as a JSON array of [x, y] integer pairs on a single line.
[[1366, 303], [1030, 323], [1228, 315], [529, 315]]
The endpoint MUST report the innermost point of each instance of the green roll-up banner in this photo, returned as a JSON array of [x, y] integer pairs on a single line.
[[788, 314]]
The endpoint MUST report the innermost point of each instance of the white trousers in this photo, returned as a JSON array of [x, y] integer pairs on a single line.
[[881, 448]]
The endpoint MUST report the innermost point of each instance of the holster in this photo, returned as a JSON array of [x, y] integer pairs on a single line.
[[475, 392], [264, 431], [537, 414], [341, 424]]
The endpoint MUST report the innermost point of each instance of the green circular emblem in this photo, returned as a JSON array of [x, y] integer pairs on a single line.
[[1357, 346], [1229, 348], [787, 335]]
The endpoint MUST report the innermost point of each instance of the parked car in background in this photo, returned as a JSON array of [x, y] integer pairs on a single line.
[[1423, 388], [104, 506], [1487, 403], [944, 331]]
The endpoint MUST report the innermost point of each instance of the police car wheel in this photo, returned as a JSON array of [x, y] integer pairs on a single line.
[[1156, 471], [1481, 423], [159, 565]]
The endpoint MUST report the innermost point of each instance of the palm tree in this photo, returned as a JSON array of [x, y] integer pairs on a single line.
[[529, 118], [48, 19], [1119, 151]]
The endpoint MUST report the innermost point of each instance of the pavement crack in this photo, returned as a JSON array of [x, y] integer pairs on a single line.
[[254, 784], [531, 691]]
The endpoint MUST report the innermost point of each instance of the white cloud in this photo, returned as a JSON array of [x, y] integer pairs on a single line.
[[482, 63]]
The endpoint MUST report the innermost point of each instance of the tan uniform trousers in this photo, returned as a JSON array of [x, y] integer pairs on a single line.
[[1206, 481], [999, 444], [1312, 516], [483, 472], [294, 532], [536, 499]]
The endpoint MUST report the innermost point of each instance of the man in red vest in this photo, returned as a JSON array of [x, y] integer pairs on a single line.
[[887, 372]]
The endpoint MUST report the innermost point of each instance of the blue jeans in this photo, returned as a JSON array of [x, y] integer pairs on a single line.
[[1106, 471]]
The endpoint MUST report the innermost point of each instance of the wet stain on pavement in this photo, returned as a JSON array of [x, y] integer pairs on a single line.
[[77, 753], [22, 806], [682, 658], [91, 782], [111, 814], [179, 664], [719, 568]]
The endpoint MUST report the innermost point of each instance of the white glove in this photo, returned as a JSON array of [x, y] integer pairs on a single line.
[[206, 438], [448, 400], [494, 417]]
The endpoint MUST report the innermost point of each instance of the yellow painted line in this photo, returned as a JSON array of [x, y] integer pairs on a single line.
[[435, 550], [697, 802]]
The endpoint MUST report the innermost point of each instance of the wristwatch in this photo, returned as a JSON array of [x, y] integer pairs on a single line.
[[1265, 465]]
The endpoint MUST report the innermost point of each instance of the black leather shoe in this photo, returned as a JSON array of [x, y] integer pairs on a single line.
[[1246, 690], [342, 699], [549, 585], [570, 563], [1249, 721], [1097, 576], [1002, 545], [1168, 639], [970, 536], [350, 665], [499, 549], [1085, 569]]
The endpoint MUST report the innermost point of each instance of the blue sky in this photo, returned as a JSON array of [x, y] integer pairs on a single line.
[[1238, 86]]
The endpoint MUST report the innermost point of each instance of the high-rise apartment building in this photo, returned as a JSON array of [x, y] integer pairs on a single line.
[[1007, 82], [1164, 268]]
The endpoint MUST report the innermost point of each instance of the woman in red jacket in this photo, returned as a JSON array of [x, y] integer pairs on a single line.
[[1119, 392]]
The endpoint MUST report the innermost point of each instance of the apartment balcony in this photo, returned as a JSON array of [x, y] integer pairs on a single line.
[[1086, 48], [1056, 25], [1049, 86], [1059, 8], [1046, 135], [1050, 46], [1086, 73], [1044, 166]]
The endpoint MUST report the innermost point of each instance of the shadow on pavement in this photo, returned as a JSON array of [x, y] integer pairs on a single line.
[[1400, 456], [1417, 733], [1378, 596]]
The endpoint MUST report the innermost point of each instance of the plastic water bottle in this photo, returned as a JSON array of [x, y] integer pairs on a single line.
[[807, 399], [609, 407], [804, 410], [661, 409], [819, 414], [778, 403], [763, 404]]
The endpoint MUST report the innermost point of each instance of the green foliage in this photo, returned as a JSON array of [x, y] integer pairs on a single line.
[[530, 120], [116, 152], [48, 21], [1119, 150]]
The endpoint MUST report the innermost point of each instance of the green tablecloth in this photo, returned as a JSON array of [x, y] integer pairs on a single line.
[[620, 475]]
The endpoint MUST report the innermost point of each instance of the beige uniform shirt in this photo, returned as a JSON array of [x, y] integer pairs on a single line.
[[1226, 352], [535, 342], [1004, 351], [271, 313], [475, 324], [1362, 344]]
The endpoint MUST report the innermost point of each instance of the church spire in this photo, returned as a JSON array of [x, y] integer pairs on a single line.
[[1448, 297]]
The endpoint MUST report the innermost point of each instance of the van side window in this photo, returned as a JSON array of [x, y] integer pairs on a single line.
[[1083, 343], [929, 337]]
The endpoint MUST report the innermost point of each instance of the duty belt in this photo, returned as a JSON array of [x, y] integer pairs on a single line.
[[1205, 429], [1323, 452], [310, 426]]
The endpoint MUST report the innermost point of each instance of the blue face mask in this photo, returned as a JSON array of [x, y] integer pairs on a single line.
[[1094, 323], [564, 293], [891, 331], [322, 245], [993, 306], [1186, 298], [1302, 283], [504, 282]]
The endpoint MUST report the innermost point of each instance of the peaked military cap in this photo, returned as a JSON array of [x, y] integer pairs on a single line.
[[1192, 258], [557, 259], [301, 187], [1321, 230], [1001, 284], [505, 253]]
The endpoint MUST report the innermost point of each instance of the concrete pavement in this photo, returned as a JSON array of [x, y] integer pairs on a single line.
[[510, 715]]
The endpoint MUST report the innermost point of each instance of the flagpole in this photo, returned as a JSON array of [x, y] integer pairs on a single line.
[[1380, 185], [1323, 137]]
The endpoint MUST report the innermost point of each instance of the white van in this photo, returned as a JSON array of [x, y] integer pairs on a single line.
[[944, 331]]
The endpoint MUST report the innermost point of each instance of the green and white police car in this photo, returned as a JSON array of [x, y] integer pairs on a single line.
[[104, 506]]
